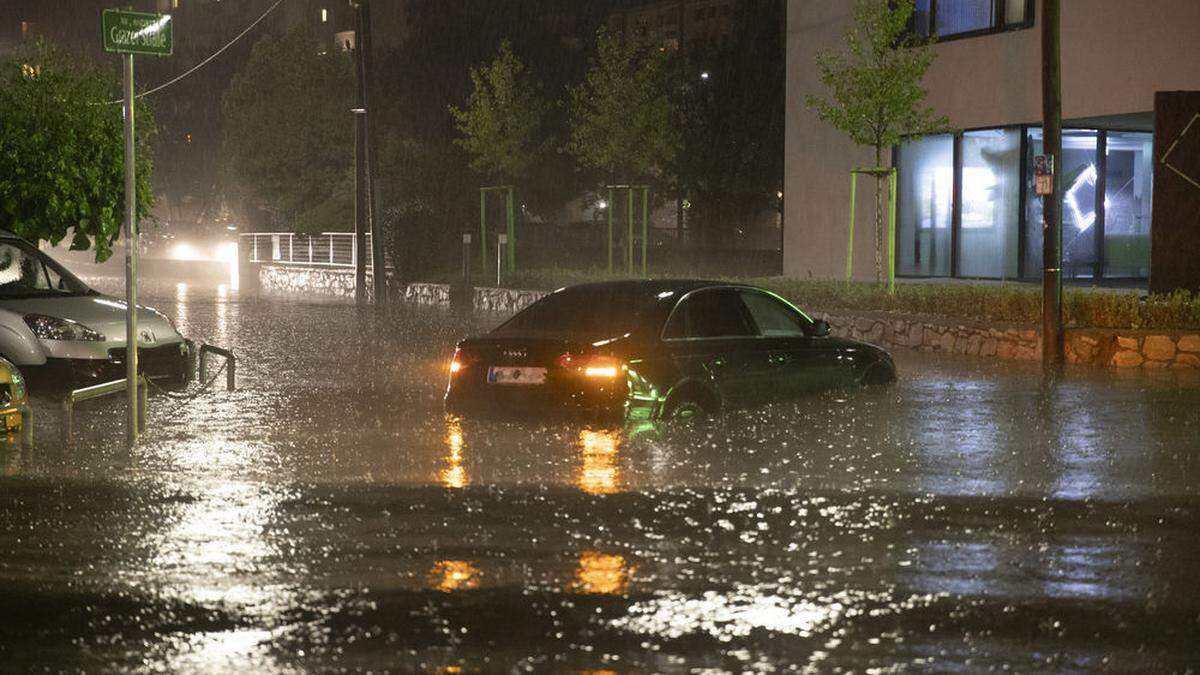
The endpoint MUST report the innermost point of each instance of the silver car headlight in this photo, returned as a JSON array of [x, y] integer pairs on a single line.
[[55, 328]]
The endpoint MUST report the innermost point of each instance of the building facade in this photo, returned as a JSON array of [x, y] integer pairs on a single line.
[[966, 206]]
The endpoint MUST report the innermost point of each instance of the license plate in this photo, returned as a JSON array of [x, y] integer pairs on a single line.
[[511, 375]]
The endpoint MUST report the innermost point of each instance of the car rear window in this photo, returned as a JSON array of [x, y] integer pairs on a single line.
[[585, 311]]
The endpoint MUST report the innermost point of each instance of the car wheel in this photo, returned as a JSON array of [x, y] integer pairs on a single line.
[[687, 410], [686, 405], [879, 374]]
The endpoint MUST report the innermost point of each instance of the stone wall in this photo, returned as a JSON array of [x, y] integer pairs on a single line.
[[505, 300], [427, 294], [1091, 346], [311, 283], [1005, 341]]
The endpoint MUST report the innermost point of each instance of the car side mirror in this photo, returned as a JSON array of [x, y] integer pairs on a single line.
[[820, 328]]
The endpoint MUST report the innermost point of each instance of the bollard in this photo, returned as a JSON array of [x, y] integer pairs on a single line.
[[27, 428], [143, 389], [68, 419], [191, 360], [501, 242], [466, 241]]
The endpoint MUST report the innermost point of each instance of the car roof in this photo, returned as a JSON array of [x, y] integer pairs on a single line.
[[680, 286]]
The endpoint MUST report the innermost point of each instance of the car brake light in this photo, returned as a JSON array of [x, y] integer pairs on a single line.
[[594, 367], [461, 360], [603, 368]]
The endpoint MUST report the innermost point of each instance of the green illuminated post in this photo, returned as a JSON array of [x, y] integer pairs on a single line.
[[610, 230], [850, 246], [645, 225], [483, 231], [892, 234], [512, 234]]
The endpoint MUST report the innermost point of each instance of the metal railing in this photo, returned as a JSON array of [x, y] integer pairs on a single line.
[[327, 249], [118, 386], [99, 391], [230, 365]]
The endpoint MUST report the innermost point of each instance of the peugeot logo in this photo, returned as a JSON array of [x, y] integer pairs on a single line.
[[515, 353], [146, 335]]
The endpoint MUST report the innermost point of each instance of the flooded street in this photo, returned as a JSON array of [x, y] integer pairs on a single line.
[[328, 516]]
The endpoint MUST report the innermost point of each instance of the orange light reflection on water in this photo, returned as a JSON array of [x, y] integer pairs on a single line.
[[602, 573], [453, 575], [599, 473], [454, 475]]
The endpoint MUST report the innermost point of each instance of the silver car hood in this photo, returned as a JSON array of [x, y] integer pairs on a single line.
[[98, 312]]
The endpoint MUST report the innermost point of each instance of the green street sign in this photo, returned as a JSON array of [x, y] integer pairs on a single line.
[[137, 32]]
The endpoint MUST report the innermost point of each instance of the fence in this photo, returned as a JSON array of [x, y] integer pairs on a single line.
[[327, 249], [578, 246]]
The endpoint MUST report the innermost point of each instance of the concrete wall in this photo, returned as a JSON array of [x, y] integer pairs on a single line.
[[1116, 55]]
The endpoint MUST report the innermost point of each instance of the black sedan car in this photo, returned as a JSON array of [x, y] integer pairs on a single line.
[[655, 349]]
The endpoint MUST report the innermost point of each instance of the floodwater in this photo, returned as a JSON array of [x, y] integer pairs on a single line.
[[327, 516]]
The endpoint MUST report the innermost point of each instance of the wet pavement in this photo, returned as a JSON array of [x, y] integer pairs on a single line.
[[327, 516]]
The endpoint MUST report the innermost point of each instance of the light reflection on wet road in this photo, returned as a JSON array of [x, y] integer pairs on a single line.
[[328, 516]]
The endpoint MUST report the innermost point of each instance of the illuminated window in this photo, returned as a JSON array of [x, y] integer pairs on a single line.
[[324, 15], [949, 18], [967, 205], [926, 183]]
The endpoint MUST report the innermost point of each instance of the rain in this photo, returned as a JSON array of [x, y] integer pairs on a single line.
[[308, 501]]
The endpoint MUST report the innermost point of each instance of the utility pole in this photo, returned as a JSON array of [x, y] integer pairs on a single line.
[[361, 198], [367, 163], [362, 188], [1052, 321], [131, 257]]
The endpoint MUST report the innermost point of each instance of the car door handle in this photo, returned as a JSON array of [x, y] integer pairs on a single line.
[[779, 359]]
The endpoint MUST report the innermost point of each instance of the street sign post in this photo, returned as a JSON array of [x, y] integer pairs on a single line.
[[130, 33], [1043, 175]]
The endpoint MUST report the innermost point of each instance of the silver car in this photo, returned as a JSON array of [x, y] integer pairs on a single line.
[[59, 331]]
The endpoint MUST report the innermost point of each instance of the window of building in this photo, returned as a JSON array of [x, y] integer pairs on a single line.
[[952, 18], [1129, 167], [990, 198], [324, 15], [1080, 177], [925, 188], [967, 205]]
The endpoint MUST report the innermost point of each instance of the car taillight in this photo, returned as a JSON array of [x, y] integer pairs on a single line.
[[592, 367], [603, 368], [460, 361]]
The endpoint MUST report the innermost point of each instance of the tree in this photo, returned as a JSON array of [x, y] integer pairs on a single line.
[[289, 141], [732, 96], [875, 92], [62, 150], [501, 124], [623, 121]]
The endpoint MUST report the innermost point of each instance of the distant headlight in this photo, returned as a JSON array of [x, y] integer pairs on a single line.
[[54, 328]]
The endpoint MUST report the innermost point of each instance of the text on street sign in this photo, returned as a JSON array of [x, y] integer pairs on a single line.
[[137, 32]]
